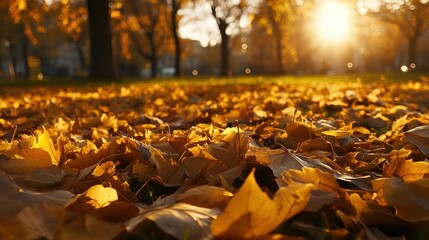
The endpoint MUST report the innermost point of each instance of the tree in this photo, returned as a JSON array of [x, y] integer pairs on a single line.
[[73, 21], [26, 15], [410, 16], [7, 38], [279, 18], [228, 15], [102, 64], [146, 26], [175, 6]]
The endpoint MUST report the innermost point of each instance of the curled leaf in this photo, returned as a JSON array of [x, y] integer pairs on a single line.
[[419, 136]]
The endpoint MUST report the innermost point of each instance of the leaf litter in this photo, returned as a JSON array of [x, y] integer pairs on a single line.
[[265, 161]]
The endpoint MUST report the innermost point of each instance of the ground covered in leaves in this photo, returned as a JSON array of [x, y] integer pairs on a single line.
[[330, 160]]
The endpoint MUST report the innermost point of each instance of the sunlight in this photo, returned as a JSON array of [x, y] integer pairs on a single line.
[[333, 22]]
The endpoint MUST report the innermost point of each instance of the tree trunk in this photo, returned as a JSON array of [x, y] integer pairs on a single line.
[[279, 49], [102, 65], [224, 60], [153, 59], [178, 48], [25, 52], [12, 67]]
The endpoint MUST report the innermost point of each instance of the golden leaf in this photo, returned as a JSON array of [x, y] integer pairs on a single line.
[[101, 196], [31, 155], [45, 143], [251, 213], [95, 197], [322, 180], [411, 171], [325, 185]]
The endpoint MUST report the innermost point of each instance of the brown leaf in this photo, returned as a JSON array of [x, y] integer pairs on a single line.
[[14, 199], [419, 136], [411, 199], [180, 220]]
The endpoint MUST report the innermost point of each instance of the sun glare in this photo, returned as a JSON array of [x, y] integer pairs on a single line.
[[333, 21]]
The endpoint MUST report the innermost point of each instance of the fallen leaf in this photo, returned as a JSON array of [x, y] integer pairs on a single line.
[[14, 199], [205, 196], [250, 212], [30, 155], [419, 136], [181, 220], [95, 197], [325, 185], [410, 199]]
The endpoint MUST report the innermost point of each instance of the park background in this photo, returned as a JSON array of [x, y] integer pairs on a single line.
[[164, 38]]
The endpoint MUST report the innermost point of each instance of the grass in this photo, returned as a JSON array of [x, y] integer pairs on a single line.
[[202, 80]]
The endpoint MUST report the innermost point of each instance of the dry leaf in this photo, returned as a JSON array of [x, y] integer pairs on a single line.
[[410, 199], [419, 136], [25, 159], [13, 199], [325, 185], [95, 197], [182, 221], [205, 196], [250, 212]]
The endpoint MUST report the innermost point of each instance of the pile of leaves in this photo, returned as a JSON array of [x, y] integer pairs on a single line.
[[264, 161]]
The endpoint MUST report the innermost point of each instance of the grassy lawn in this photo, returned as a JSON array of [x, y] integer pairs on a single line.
[[290, 79]]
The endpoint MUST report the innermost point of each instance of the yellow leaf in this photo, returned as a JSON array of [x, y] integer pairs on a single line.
[[322, 180], [31, 155], [411, 171], [251, 213], [5, 146], [325, 185], [25, 160], [101, 196], [44, 142], [95, 197]]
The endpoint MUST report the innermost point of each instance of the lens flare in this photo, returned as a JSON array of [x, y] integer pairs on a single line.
[[333, 21]]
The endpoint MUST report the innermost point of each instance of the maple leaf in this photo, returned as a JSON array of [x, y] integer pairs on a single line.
[[250, 211]]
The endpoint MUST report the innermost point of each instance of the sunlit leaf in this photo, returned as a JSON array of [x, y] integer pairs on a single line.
[[27, 158], [250, 212], [96, 197]]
